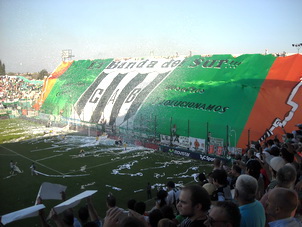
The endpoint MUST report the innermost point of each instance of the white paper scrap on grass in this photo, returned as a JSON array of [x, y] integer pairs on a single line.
[[72, 202], [51, 191], [22, 214]]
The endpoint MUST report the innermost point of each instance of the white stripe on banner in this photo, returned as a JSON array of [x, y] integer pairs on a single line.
[[123, 83], [91, 106], [130, 68], [130, 99]]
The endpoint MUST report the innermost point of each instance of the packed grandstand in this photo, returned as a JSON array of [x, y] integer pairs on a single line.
[[194, 106], [213, 103]]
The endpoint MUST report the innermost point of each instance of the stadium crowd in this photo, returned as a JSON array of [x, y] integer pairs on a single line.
[[262, 187], [13, 89]]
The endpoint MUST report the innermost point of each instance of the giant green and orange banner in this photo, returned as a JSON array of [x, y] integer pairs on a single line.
[[241, 99]]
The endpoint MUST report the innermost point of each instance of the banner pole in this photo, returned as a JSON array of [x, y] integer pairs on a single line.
[[208, 139], [189, 128], [155, 127], [171, 135]]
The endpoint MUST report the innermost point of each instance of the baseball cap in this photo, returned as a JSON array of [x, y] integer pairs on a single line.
[[277, 163]]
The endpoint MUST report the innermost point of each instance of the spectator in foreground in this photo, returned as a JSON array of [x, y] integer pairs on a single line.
[[224, 213], [280, 206], [194, 203], [251, 210], [165, 222]]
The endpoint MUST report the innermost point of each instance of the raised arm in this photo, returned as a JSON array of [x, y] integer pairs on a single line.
[[92, 211]]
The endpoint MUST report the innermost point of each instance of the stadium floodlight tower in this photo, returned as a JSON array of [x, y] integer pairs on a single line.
[[67, 55], [298, 45]]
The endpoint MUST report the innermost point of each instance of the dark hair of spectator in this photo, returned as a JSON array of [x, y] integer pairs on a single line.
[[232, 212], [83, 213], [131, 222], [253, 167], [131, 203], [154, 217], [167, 212], [140, 207], [165, 222], [91, 224], [238, 157], [276, 140], [270, 142], [171, 184], [161, 195], [237, 169], [199, 195], [217, 162], [289, 135], [257, 146], [202, 178], [287, 156], [68, 217], [220, 175], [275, 151]]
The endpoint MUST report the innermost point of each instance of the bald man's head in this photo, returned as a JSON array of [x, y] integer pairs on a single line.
[[281, 203]]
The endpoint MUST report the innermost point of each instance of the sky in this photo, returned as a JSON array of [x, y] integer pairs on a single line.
[[34, 32]]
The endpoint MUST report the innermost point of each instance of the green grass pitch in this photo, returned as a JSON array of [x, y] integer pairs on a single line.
[[104, 168]]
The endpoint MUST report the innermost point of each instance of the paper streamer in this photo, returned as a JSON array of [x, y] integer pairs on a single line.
[[47, 175]]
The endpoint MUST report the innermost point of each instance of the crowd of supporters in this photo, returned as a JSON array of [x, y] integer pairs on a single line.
[[14, 89]]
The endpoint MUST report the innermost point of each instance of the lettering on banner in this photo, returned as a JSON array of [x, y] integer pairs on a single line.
[[215, 64], [193, 90], [192, 105], [95, 65], [206, 158], [132, 95], [140, 64], [182, 153], [177, 140], [96, 95]]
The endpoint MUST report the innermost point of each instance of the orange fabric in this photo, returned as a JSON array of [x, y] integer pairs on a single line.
[[272, 99], [60, 69], [50, 82]]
